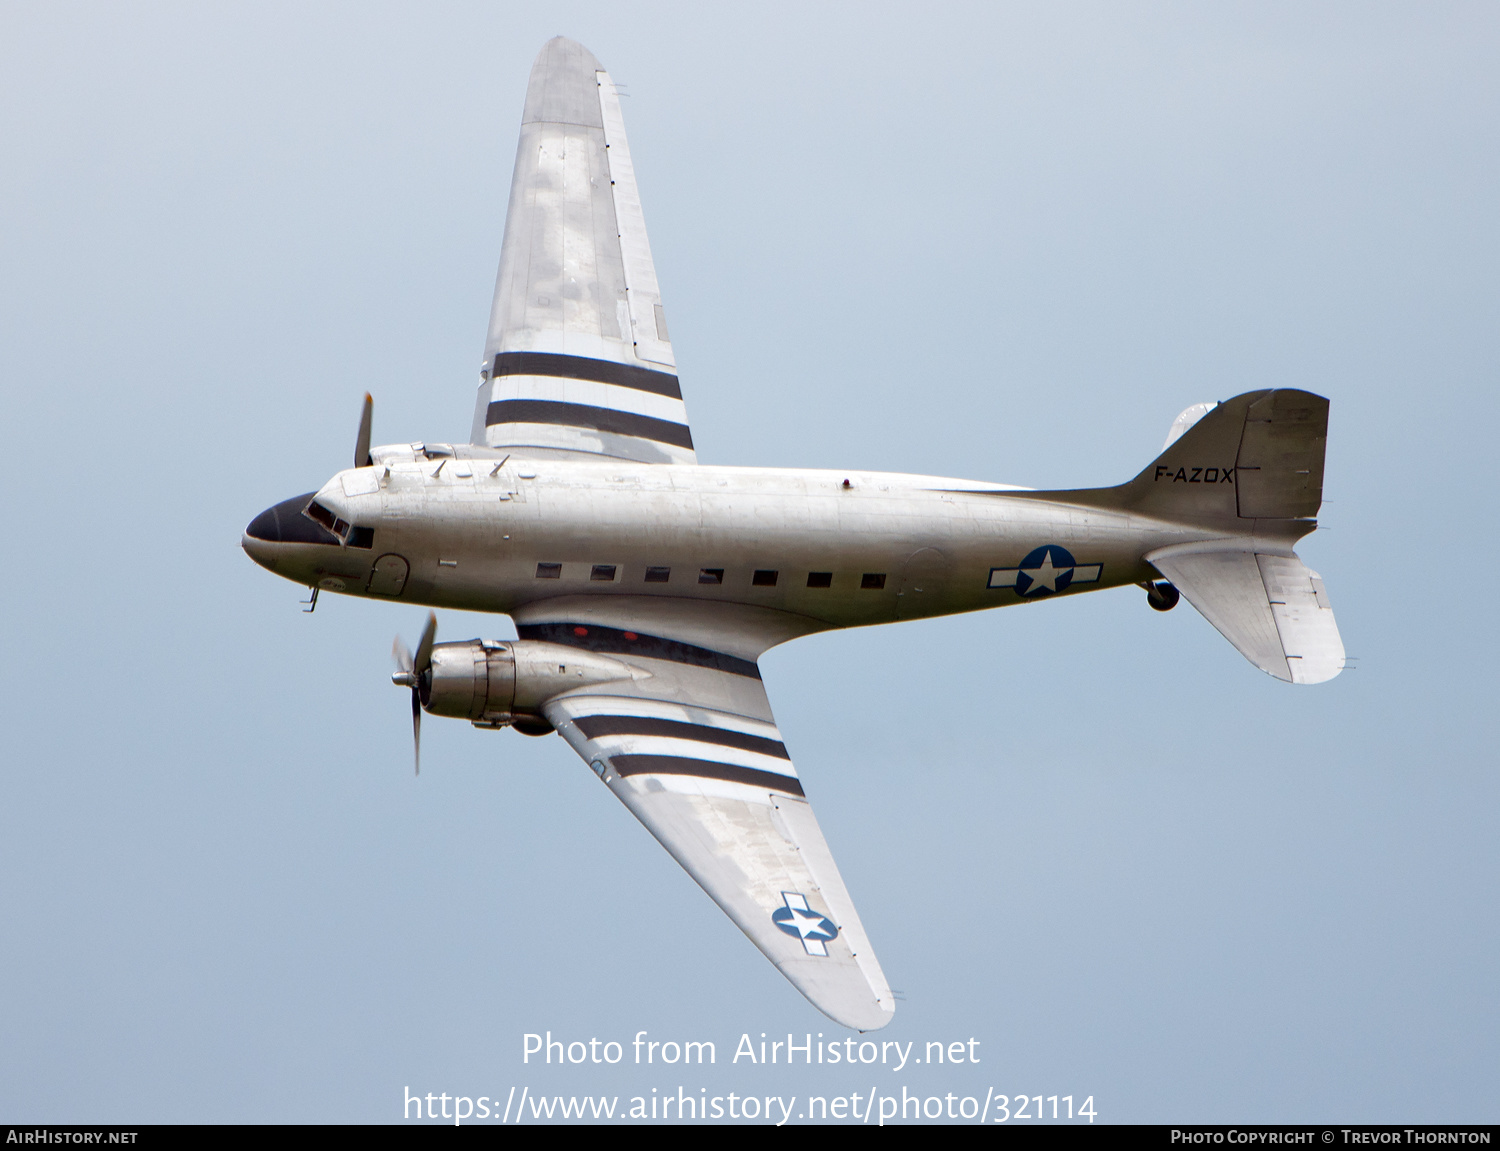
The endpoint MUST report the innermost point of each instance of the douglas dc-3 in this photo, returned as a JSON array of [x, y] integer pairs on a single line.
[[645, 585]]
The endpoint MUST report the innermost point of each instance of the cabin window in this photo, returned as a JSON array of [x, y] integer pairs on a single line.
[[658, 575], [605, 572], [710, 575], [764, 578], [819, 579], [872, 580], [549, 571]]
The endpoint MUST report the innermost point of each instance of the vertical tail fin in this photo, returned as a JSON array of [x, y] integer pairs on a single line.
[[1258, 456]]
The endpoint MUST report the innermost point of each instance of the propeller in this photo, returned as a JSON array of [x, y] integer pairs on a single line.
[[362, 440], [412, 669]]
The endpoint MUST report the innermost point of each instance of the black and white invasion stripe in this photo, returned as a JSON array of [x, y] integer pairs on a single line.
[[647, 737], [576, 403]]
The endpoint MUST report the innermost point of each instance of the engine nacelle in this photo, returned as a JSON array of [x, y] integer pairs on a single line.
[[494, 683]]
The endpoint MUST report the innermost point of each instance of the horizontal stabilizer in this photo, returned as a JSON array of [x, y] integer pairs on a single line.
[[1270, 606]]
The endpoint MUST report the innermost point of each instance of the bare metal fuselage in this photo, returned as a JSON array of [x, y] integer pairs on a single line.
[[483, 535]]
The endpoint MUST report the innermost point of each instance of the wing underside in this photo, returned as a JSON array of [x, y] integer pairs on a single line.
[[693, 751], [578, 359]]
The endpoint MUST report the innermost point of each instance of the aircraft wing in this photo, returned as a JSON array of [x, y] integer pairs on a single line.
[[578, 362], [693, 751]]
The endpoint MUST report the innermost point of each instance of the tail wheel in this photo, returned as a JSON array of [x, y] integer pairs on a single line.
[[1161, 595]]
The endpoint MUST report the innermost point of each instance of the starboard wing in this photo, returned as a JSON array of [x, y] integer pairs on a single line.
[[578, 360], [694, 752]]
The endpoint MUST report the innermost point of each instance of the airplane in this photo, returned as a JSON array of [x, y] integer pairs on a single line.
[[644, 585]]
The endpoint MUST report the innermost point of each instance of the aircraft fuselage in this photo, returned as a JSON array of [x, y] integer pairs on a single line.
[[839, 549]]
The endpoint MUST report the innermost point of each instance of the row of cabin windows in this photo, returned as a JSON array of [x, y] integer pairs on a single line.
[[761, 578]]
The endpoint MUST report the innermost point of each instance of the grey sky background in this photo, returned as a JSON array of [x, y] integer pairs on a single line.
[[993, 241]]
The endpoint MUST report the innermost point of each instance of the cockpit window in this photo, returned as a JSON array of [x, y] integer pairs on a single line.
[[354, 537], [319, 515]]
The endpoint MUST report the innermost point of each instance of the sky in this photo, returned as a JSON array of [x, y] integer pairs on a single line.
[[995, 241]]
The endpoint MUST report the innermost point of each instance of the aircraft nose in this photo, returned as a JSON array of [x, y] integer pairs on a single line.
[[265, 526], [282, 523]]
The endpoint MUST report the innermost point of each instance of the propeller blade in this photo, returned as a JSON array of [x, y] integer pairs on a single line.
[[412, 668], [416, 729], [424, 646], [402, 655], [362, 440]]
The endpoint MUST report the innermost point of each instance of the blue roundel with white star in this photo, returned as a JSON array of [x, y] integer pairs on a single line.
[[800, 921], [1045, 571]]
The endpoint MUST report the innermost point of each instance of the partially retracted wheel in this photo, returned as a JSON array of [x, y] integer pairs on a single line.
[[1161, 595]]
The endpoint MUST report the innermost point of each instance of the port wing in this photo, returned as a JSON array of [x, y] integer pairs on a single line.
[[578, 362]]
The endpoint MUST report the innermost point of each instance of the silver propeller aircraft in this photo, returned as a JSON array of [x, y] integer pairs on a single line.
[[644, 585]]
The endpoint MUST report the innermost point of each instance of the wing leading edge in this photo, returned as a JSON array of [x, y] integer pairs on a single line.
[[693, 751], [578, 360]]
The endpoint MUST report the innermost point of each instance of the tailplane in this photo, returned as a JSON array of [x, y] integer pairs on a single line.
[[1273, 608]]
